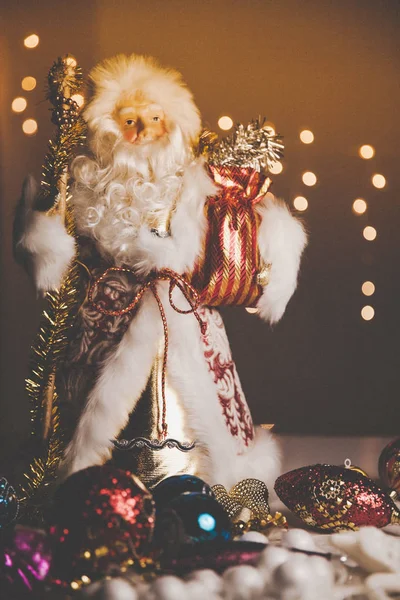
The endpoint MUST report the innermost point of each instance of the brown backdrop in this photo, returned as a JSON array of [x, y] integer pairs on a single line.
[[332, 67]]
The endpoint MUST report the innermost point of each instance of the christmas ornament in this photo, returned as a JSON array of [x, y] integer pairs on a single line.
[[249, 493], [190, 518], [25, 560], [103, 519], [174, 486], [331, 498], [9, 504], [248, 499], [389, 467]]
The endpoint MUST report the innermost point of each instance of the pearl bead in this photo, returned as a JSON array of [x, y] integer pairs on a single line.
[[253, 536], [208, 578], [196, 590], [110, 589], [168, 587], [298, 538], [243, 582], [296, 573], [272, 557], [322, 569]]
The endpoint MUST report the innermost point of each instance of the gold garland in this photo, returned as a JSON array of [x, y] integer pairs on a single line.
[[61, 305]]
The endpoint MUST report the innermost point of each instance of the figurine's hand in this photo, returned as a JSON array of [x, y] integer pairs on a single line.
[[41, 242]]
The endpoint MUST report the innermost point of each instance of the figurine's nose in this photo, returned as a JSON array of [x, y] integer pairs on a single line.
[[139, 126]]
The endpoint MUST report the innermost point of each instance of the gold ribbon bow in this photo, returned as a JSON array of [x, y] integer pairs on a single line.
[[150, 283]]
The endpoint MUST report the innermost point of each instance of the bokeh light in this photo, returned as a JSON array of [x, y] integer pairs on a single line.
[[28, 84], [79, 99], [307, 136], [225, 123], [366, 151], [31, 41], [19, 104], [300, 203], [359, 206], [369, 233], [71, 61], [368, 288], [309, 178], [29, 126], [367, 313], [276, 168], [378, 181], [270, 128]]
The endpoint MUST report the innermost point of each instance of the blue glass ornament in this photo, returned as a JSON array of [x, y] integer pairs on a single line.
[[175, 486], [191, 518], [9, 504]]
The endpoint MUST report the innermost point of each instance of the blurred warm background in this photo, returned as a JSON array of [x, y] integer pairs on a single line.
[[332, 68]]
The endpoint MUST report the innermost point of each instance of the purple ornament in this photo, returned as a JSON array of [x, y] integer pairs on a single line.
[[25, 561]]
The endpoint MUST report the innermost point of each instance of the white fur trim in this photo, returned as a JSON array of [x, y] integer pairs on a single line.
[[50, 247], [281, 240], [123, 379], [188, 372], [118, 388], [261, 461], [121, 77]]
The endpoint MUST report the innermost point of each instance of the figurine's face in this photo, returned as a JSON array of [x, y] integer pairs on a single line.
[[140, 121]]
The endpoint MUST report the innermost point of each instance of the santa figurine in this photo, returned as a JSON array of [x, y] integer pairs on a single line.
[[162, 235]]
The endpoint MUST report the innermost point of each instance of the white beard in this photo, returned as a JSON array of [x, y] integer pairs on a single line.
[[140, 184]]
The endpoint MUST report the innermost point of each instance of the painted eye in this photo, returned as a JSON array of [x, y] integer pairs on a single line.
[[129, 122], [156, 119]]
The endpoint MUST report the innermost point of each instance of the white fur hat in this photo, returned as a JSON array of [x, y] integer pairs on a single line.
[[123, 76]]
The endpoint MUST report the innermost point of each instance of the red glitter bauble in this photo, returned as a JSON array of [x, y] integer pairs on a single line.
[[103, 518], [330, 498], [389, 466]]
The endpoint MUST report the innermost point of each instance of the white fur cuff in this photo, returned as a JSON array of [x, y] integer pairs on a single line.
[[50, 247], [282, 240]]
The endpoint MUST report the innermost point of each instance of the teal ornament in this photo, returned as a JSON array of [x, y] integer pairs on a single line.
[[9, 504], [191, 518], [175, 486]]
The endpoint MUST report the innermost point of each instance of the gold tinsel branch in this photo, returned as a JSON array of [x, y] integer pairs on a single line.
[[255, 145], [61, 305]]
